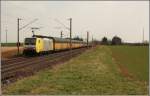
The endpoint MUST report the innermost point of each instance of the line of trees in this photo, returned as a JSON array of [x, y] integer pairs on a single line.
[[118, 41], [77, 38], [115, 41]]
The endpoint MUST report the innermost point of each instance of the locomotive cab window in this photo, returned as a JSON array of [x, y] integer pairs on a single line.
[[30, 41]]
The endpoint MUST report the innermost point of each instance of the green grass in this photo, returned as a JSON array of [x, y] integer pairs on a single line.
[[134, 58], [10, 44], [92, 73]]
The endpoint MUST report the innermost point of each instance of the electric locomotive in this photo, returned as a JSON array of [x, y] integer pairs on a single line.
[[40, 44]]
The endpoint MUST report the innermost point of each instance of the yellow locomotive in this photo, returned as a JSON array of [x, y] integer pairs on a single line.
[[40, 44]]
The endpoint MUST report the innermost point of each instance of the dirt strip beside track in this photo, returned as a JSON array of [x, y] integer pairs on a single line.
[[9, 52]]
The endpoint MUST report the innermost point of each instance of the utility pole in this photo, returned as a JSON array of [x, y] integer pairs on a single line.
[[6, 34], [61, 34], [92, 41], [18, 29], [143, 35], [87, 39], [18, 43], [70, 33]]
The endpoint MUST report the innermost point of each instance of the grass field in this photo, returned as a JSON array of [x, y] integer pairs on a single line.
[[134, 58], [92, 73]]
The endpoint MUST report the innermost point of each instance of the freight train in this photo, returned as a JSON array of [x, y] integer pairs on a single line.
[[41, 44]]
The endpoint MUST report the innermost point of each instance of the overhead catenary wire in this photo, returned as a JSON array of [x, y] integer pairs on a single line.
[[6, 34], [143, 34], [28, 24], [61, 24]]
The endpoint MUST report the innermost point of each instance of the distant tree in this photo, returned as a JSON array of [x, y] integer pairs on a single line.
[[78, 38], [116, 40], [104, 40]]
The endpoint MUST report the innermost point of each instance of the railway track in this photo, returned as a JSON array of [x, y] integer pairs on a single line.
[[23, 66], [9, 61]]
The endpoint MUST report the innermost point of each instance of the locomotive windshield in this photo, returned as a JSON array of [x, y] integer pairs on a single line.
[[30, 41]]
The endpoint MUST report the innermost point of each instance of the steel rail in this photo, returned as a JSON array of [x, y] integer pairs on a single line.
[[9, 71]]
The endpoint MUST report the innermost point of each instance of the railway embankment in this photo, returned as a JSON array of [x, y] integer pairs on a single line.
[[93, 72]]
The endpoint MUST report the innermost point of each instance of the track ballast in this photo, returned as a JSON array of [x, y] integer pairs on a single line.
[[13, 69]]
